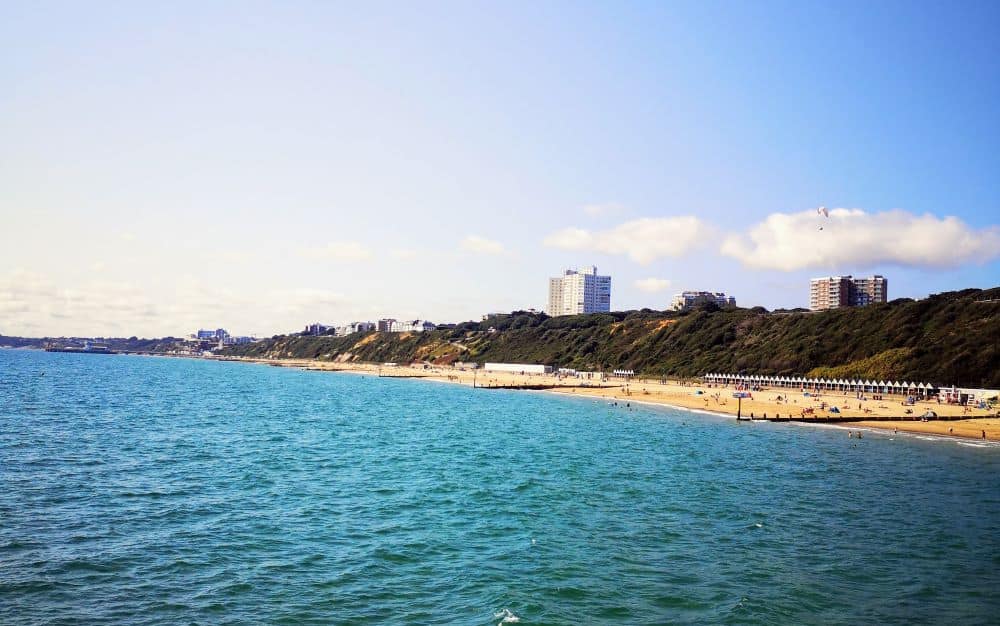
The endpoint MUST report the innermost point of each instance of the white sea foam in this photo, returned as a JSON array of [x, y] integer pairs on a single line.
[[506, 616]]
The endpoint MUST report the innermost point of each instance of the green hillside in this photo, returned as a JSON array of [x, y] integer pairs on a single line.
[[949, 338]]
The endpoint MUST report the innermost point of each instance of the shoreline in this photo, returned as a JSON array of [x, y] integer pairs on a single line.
[[680, 396]]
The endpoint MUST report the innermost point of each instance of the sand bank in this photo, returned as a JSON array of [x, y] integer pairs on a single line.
[[782, 403]]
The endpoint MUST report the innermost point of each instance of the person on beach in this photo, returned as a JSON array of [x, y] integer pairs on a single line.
[[984, 434]]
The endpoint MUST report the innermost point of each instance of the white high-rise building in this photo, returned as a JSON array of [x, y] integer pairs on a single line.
[[579, 291]]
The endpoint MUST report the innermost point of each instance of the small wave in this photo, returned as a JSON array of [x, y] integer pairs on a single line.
[[978, 444], [506, 616]]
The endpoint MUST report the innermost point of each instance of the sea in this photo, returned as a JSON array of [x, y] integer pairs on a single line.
[[145, 490]]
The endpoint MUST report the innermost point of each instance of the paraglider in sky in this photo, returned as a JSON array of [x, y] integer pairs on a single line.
[[824, 212]]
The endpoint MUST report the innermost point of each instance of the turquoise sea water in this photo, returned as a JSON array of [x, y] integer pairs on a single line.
[[165, 491]]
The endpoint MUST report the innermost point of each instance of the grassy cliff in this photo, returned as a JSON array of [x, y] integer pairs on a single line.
[[950, 338]]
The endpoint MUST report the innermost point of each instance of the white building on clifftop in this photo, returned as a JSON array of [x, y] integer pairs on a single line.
[[579, 291]]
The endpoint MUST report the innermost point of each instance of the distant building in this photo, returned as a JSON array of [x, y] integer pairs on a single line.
[[579, 291], [385, 325], [411, 326], [834, 292], [316, 329], [355, 327], [219, 333], [688, 299]]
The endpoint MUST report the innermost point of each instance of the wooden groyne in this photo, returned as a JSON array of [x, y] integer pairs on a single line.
[[544, 387], [844, 420], [405, 376]]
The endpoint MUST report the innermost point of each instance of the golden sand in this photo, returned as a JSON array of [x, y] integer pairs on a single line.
[[769, 403]]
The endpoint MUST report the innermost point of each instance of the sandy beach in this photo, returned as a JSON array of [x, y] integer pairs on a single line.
[[781, 403]]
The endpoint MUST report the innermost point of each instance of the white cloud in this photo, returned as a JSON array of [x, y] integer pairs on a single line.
[[338, 251], [652, 285], [403, 254], [238, 257], [852, 239], [31, 301], [642, 240], [481, 245], [606, 208], [306, 300]]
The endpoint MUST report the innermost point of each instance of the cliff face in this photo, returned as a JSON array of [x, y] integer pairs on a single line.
[[950, 338]]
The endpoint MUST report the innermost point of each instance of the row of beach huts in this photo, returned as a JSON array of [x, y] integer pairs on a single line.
[[902, 388]]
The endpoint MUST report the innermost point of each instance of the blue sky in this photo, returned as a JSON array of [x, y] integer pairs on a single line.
[[263, 165]]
